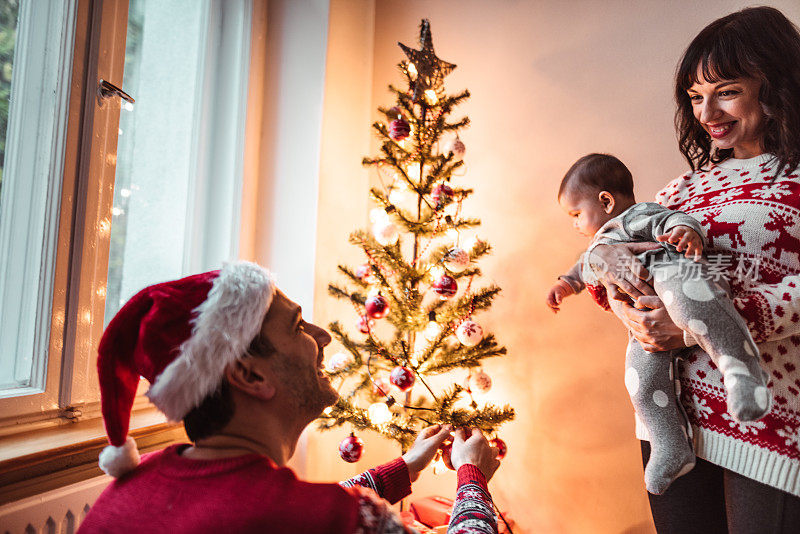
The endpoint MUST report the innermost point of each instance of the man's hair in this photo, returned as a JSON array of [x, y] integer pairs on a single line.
[[216, 410], [757, 42], [598, 172]]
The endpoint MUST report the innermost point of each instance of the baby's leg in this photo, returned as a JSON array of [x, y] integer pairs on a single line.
[[648, 377], [699, 305]]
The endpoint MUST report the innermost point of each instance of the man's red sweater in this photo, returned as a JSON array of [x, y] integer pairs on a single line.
[[171, 494]]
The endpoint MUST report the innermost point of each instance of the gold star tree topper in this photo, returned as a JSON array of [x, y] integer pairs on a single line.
[[430, 69]]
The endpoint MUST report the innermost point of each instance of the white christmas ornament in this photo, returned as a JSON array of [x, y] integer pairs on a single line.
[[379, 413], [457, 147], [480, 382], [338, 361], [377, 215], [456, 260], [469, 333], [385, 233]]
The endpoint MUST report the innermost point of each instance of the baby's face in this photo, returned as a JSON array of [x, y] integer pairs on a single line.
[[586, 211]]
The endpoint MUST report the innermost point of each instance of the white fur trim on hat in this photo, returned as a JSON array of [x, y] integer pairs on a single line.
[[116, 461], [226, 323]]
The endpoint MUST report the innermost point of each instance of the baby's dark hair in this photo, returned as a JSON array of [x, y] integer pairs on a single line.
[[598, 172]]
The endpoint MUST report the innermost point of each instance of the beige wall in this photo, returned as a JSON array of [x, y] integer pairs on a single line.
[[551, 81]]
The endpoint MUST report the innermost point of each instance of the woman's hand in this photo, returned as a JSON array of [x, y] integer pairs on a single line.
[[651, 325], [471, 447], [623, 275], [424, 448]]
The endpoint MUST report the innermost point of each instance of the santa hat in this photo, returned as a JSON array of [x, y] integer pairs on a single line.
[[180, 336]]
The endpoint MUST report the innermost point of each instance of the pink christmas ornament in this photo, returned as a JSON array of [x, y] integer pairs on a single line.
[[445, 286], [402, 377], [456, 260], [351, 448], [377, 306], [469, 333]]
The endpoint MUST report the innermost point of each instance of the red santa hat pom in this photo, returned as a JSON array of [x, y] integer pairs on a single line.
[[180, 336]]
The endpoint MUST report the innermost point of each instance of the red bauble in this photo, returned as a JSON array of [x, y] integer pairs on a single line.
[[351, 448], [364, 272], [502, 449], [364, 324], [445, 286], [377, 306], [402, 377], [399, 129], [441, 194]]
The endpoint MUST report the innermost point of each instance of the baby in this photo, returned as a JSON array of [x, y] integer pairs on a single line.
[[597, 192]]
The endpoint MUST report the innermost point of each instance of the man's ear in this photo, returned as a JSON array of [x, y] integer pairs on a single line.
[[249, 377], [607, 200]]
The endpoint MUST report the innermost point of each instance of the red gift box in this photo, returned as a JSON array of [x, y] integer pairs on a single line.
[[432, 511]]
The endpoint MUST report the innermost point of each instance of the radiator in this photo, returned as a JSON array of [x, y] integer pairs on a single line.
[[59, 511]]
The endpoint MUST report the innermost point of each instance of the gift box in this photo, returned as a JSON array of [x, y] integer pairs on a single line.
[[432, 511]]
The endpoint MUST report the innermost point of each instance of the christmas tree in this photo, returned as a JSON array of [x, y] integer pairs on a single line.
[[416, 295]]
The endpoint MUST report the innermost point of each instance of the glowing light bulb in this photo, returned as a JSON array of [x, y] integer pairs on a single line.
[[452, 235], [430, 97], [413, 171], [439, 466], [412, 71], [437, 271], [432, 330], [379, 413], [328, 410]]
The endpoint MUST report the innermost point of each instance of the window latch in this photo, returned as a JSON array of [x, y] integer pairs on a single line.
[[108, 89]]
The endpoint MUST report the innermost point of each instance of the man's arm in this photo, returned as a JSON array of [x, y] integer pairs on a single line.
[[473, 511], [391, 481]]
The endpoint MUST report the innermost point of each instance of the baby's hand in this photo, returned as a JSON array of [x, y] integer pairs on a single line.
[[684, 239], [557, 294]]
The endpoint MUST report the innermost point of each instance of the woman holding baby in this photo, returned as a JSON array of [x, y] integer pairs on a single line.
[[738, 119]]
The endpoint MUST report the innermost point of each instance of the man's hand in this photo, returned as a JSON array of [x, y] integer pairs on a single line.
[[424, 448], [623, 275], [471, 447], [684, 239], [557, 293]]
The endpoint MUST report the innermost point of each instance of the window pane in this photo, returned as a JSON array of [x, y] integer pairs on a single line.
[[8, 38], [154, 184], [36, 42]]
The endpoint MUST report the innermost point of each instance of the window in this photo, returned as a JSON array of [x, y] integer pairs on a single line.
[[99, 197]]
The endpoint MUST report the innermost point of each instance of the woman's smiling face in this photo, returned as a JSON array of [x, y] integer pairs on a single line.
[[730, 112]]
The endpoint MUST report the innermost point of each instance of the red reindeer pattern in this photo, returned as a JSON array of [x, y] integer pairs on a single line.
[[785, 241], [716, 228]]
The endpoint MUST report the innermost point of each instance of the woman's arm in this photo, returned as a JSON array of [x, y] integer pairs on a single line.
[[772, 311]]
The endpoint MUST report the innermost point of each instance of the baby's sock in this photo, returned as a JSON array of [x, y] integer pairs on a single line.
[[749, 398]]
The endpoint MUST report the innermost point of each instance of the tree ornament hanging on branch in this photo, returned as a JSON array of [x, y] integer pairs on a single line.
[[377, 306], [399, 129], [445, 286], [456, 260], [402, 378], [469, 333], [455, 147], [351, 448]]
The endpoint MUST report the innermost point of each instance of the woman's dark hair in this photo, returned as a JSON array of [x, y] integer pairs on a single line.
[[598, 172], [216, 410], [757, 42]]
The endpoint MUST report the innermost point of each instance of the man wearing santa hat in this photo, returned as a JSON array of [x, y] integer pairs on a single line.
[[231, 356]]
